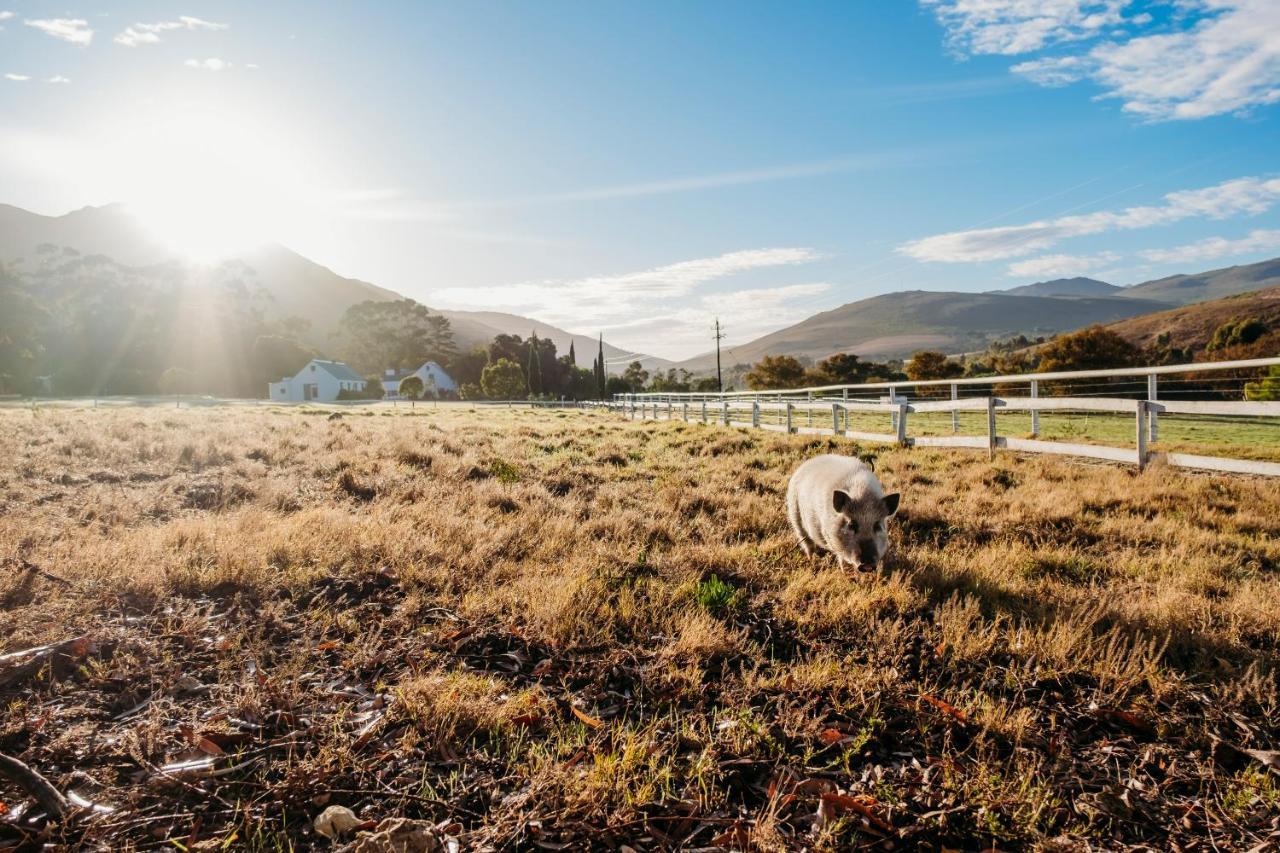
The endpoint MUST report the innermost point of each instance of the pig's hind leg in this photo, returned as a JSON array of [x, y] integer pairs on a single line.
[[793, 515]]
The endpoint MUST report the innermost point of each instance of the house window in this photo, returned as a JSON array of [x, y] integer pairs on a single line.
[[313, 368]]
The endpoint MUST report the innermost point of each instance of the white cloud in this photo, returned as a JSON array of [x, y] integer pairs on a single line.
[[1010, 27], [1239, 196], [57, 78], [4, 16], [615, 301], [1061, 266], [210, 64], [1213, 57], [1259, 240], [141, 33], [74, 30], [17, 77]]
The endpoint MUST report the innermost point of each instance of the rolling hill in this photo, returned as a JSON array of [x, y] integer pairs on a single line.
[[297, 286], [896, 324], [1214, 284], [1191, 327], [1066, 287]]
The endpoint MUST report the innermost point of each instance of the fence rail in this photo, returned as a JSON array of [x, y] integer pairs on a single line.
[[837, 402]]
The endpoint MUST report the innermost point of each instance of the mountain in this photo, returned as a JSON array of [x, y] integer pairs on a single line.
[[108, 230], [1191, 327], [1214, 284], [487, 324], [895, 325], [297, 286], [1078, 286]]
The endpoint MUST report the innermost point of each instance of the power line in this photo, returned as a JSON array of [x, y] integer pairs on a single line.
[[719, 337]]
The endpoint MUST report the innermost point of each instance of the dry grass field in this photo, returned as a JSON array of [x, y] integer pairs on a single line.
[[563, 630]]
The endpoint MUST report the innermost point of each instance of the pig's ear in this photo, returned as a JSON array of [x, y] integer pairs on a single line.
[[891, 503], [840, 500]]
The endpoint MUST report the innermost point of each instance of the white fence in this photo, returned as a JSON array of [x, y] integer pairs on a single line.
[[833, 404]]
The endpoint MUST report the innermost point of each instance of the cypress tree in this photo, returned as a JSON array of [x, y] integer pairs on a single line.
[[573, 359], [535, 366], [601, 377]]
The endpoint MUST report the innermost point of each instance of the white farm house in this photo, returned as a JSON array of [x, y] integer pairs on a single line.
[[319, 380]]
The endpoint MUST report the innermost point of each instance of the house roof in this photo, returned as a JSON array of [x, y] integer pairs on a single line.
[[338, 370]]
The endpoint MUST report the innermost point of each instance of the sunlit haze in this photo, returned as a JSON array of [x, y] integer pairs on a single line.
[[642, 170]]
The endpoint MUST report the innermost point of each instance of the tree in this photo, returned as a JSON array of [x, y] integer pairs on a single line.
[[1094, 348], [503, 380], [926, 365], [534, 376], [1238, 332], [411, 387], [22, 323], [843, 368], [276, 356], [776, 371], [635, 376], [177, 380], [601, 373], [673, 381], [394, 334], [931, 364], [465, 367], [1266, 388], [573, 358]]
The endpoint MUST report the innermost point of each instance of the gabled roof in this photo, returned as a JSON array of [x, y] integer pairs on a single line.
[[338, 370]]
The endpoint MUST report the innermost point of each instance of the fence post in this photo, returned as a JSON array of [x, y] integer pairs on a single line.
[[669, 409], [902, 424], [725, 403], [808, 407], [955, 413], [684, 410], [755, 413], [704, 410], [1142, 426], [1153, 417], [1035, 413], [788, 417], [835, 418], [991, 427]]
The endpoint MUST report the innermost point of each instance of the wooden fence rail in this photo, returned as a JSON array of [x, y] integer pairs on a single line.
[[738, 411], [747, 408]]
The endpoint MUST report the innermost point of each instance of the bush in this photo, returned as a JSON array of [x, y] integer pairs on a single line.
[[1267, 388], [1238, 332], [503, 380], [777, 371]]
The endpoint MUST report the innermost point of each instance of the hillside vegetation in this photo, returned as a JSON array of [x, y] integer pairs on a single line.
[[1191, 328], [569, 631]]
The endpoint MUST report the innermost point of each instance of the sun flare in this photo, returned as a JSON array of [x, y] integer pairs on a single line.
[[208, 185]]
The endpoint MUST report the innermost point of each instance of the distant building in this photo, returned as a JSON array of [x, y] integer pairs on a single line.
[[434, 380], [319, 380]]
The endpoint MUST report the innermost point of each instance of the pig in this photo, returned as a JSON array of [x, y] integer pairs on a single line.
[[836, 504]]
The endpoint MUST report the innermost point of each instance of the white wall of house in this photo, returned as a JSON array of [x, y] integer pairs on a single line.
[[312, 383], [433, 376]]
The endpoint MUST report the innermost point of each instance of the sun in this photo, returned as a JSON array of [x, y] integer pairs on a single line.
[[211, 184]]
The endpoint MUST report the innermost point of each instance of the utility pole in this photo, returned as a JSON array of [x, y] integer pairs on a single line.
[[719, 378]]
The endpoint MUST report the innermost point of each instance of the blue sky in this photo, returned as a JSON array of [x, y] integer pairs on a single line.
[[642, 168]]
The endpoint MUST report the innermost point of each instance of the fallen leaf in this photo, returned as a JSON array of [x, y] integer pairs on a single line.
[[861, 804], [945, 707], [586, 718], [831, 736]]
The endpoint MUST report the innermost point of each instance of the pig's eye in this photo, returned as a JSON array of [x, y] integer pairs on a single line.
[[879, 526]]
